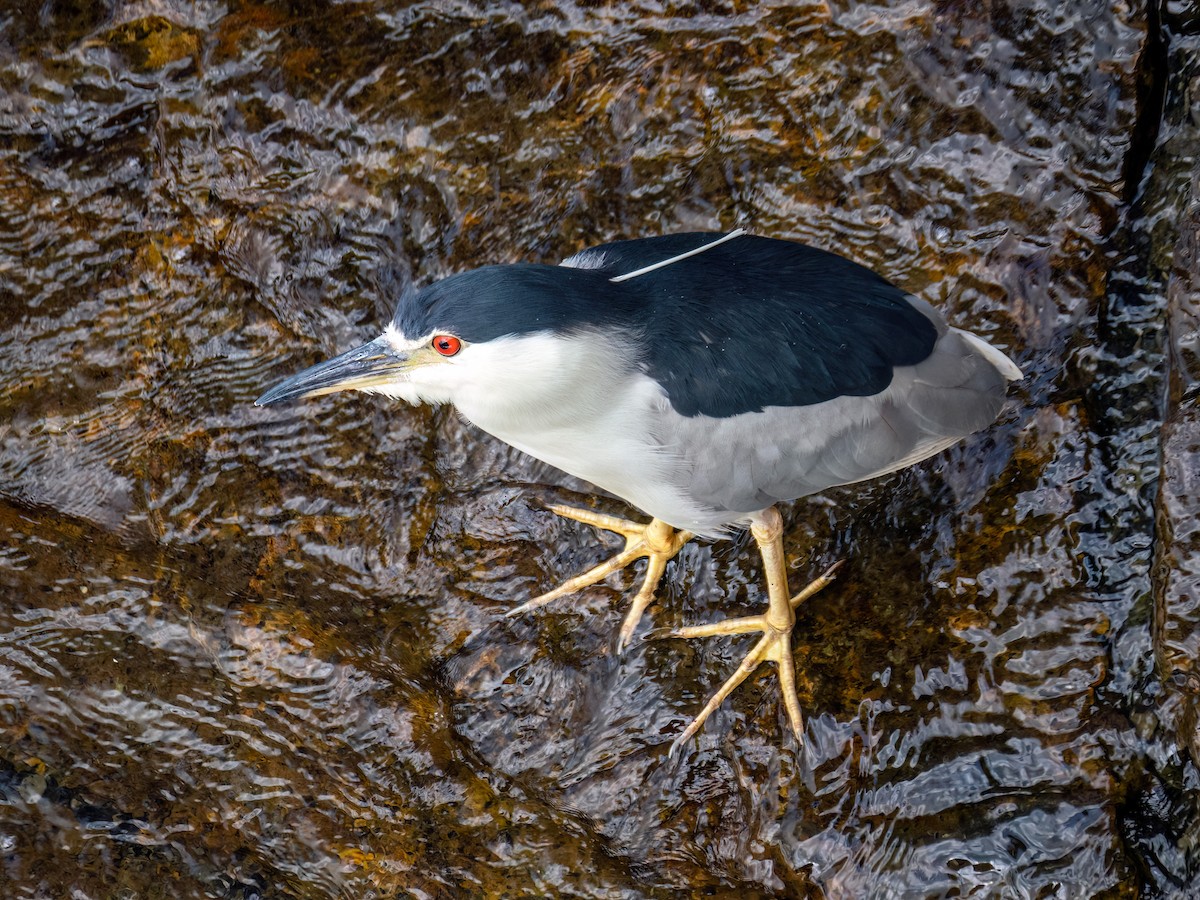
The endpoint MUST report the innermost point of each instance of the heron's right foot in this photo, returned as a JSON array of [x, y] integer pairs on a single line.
[[656, 540]]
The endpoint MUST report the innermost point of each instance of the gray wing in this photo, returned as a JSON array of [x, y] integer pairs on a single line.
[[744, 463]]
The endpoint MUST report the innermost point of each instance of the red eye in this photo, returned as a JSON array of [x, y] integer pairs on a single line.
[[446, 344]]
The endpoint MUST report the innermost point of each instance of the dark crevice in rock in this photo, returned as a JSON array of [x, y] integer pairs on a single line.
[[1152, 72]]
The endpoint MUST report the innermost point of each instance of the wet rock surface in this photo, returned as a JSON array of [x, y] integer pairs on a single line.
[[249, 652]]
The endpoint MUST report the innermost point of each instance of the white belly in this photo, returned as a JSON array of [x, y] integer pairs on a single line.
[[611, 444]]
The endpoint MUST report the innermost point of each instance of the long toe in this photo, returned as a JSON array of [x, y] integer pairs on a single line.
[[766, 649], [579, 582], [819, 583]]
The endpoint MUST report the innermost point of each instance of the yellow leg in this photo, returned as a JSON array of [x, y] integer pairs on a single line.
[[656, 540], [775, 624]]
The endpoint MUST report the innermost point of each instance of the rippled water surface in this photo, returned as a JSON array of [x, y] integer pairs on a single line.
[[262, 652]]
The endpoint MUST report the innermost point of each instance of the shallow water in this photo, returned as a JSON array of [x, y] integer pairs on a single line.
[[262, 652]]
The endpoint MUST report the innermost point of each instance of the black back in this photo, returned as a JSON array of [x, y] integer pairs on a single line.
[[753, 322]]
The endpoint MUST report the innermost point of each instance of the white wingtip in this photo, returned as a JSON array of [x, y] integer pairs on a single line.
[[997, 358]]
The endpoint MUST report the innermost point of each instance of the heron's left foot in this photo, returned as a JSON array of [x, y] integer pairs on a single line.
[[775, 624], [775, 646], [656, 540]]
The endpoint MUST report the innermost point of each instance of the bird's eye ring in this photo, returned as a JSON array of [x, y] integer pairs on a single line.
[[446, 344]]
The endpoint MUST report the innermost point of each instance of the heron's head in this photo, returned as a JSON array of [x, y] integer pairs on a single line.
[[516, 335]]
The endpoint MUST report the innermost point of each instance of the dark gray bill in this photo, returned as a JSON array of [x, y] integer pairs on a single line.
[[370, 365]]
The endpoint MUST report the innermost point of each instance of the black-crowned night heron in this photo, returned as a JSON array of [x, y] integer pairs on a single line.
[[703, 378]]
